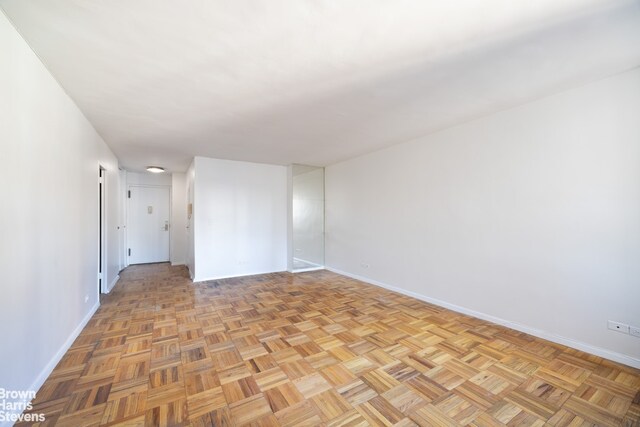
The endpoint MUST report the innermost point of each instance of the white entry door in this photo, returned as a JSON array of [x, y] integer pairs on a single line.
[[148, 225]]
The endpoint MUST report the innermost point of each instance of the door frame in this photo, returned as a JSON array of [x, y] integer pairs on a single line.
[[102, 238], [127, 219], [122, 220]]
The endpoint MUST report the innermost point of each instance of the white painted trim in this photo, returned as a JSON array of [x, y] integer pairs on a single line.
[[305, 270], [46, 371], [549, 336], [306, 260], [236, 275], [113, 283], [178, 263], [104, 244]]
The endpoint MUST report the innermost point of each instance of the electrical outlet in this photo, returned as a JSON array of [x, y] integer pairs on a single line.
[[364, 265], [618, 327], [635, 331]]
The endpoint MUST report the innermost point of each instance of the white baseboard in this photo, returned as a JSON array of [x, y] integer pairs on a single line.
[[549, 336], [305, 270], [46, 371], [113, 283], [174, 264], [305, 260], [206, 279]]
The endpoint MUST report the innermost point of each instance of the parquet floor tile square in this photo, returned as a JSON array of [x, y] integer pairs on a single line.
[[172, 413], [271, 378], [493, 383], [283, 396], [200, 380], [378, 411], [404, 399], [125, 407], [90, 417], [330, 404], [457, 408], [337, 375], [250, 409], [504, 411], [157, 396], [206, 401], [311, 385], [316, 349], [241, 389], [356, 392], [476, 395], [163, 377], [303, 414]]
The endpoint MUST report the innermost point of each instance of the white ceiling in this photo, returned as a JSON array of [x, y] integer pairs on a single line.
[[312, 81]]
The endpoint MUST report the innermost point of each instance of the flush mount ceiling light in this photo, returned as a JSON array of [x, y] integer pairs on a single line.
[[155, 169]]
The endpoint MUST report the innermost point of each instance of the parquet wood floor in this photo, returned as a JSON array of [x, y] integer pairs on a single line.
[[316, 349]]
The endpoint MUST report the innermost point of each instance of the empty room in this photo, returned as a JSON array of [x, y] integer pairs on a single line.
[[320, 213]]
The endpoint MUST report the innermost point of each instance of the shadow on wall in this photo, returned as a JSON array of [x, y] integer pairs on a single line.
[[417, 93]]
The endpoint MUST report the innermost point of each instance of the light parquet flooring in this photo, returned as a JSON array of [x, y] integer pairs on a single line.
[[316, 349]]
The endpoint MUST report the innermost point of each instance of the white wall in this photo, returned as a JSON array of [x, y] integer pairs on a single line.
[[308, 215], [190, 183], [531, 215], [240, 218], [178, 218], [148, 178], [49, 219]]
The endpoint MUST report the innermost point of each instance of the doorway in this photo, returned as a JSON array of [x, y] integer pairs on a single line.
[[102, 250], [307, 218], [148, 224]]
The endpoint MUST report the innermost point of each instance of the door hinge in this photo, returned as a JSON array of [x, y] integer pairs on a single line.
[[99, 276], [129, 252], [129, 194]]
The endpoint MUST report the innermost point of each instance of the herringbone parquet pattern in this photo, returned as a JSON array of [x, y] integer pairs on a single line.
[[317, 349]]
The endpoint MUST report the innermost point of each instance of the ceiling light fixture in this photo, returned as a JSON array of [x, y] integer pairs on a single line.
[[155, 169]]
